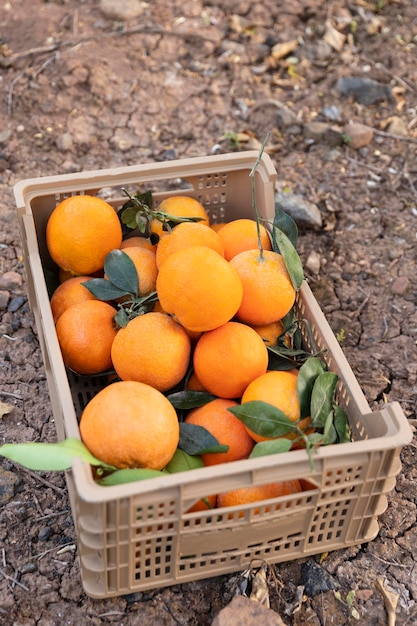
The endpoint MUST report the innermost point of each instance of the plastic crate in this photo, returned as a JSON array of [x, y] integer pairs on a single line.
[[139, 536]]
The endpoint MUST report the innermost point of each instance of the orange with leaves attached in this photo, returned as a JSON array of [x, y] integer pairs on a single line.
[[179, 206], [70, 292]]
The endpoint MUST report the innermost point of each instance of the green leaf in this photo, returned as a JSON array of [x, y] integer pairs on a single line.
[[197, 440], [273, 446], [291, 258], [103, 289], [322, 398], [183, 462], [121, 271], [263, 419], [122, 318], [48, 456], [329, 432], [190, 399], [341, 424], [307, 375], [284, 222], [129, 475]]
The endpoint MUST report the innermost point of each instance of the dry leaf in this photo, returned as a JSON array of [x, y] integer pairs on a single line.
[[333, 37], [260, 591], [390, 600], [281, 50], [5, 409]]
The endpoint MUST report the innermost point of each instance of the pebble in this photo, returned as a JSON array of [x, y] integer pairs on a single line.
[[5, 136], [64, 142], [116, 10], [400, 286], [8, 483], [10, 281], [332, 113], [45, 533], [322, 132], [242, 611], [397, 126], [4, 299], [358, 135], [15, 304], [313, 262], [302, 211], [315, 579], [364, 90], [287, 122]]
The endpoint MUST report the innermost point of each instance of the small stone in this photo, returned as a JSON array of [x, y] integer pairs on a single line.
[[302, 211], [10, 281], [313, 262], [16, 303], [400, 286], [45, 533], [28, 568], [397, 126], [364, 90], [5, 136], [64, 142], [322, 132], [8, 483], [332, 113], [116, 10], [243, 611], [4, 299], [315, 579], [287, 122], [358, 135]]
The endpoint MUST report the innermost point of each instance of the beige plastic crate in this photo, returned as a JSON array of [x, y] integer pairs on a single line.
[[139, 536]]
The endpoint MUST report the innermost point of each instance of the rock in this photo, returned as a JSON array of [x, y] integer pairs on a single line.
[[4, 299], [303, 212], [364, 90], [358, 135], [126, 10], [15, 304], [397, 126], [287, 122], [400, 286], [64, 142], [332, 113], [5, 136], [243, 611], [8, 483], [322, 132], [10, 281], [313, 262], [315, 579]]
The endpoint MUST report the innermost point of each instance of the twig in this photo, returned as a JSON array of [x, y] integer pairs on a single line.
[[383, 133], [43, 517], [390, 600], [13, 580], [8, 394], [373, 168], [43, 481], [360, 308], [10, 92]]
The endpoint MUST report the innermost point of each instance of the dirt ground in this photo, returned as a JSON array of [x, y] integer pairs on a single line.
[[87, 85]]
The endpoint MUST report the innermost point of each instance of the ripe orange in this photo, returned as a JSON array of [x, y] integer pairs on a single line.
[[205, 504], [130, 424], [85, 334], [228, 358], [68, 293], [185, 235], [145, 263], [199, 287], [140, 242], [225, 427], [194, 384], [270, 332], [278, 388], [80, 232], [242, 234], [180, 206], [217, 226], [152, 349], [246, 495], [268, 293]]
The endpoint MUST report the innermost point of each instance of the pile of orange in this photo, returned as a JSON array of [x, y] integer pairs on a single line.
[[221, 298]]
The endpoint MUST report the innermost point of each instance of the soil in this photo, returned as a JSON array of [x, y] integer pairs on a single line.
[[89, 85]]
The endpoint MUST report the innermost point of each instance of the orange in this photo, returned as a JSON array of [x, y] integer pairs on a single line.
[[217, 226], [278, 388], [228, 358], [85, 334], [68, 293], [205, 504], [152, 349], [225, 427], [199, 287], [268, 294], [246, 495], [140, 242], [145, 263], [179, 206], [130, 424], [80, 232], [194, 384], [270, 332], [242, 234], [185, 235]]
